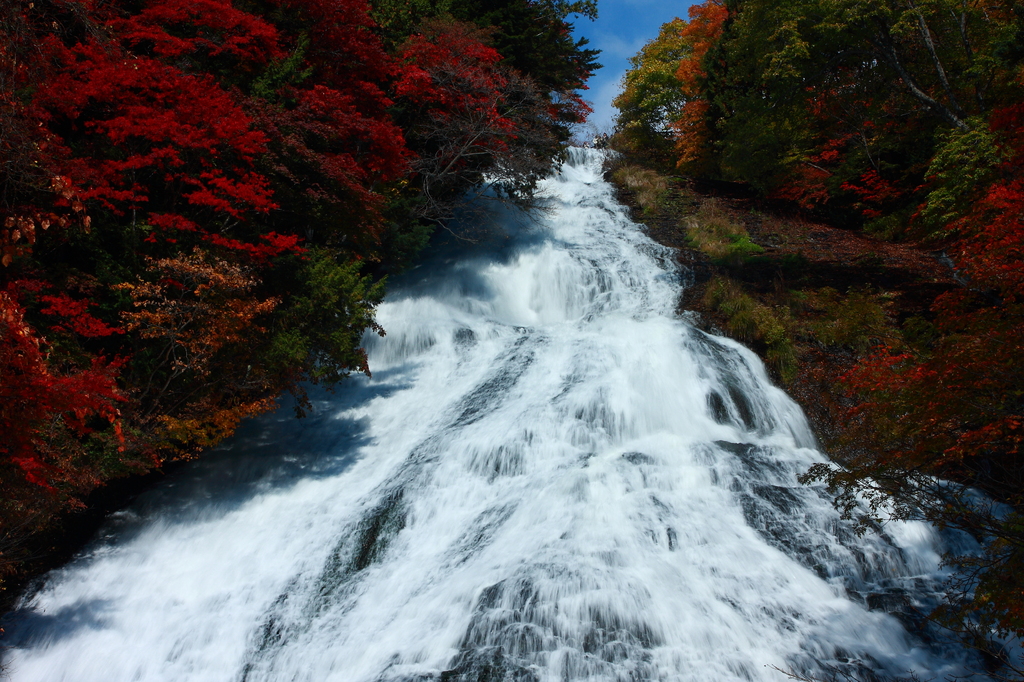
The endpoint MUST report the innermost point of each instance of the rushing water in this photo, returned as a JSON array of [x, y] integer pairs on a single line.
[[550, 476]]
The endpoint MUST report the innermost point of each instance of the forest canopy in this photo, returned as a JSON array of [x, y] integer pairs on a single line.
[[199, 200], [904, 119]]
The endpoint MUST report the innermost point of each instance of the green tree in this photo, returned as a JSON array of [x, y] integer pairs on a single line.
[[821, 101], [652, 95]]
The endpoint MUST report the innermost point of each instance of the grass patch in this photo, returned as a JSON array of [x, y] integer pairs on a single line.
[[712, 231], [649, 187]]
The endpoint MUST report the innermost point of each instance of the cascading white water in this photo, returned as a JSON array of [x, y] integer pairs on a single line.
[[550, 476]]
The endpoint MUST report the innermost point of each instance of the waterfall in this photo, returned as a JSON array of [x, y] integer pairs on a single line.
[[550, 476]]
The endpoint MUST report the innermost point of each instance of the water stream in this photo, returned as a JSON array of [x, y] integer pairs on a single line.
[[550, 476]]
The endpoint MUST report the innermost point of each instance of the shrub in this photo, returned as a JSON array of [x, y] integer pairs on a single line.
[[766, 327], [859, 320]]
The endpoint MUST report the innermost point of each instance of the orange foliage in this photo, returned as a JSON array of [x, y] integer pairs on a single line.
[[202, 317], [703, 30]]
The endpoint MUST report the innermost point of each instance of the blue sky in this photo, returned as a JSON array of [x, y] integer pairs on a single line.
[[621, 29]]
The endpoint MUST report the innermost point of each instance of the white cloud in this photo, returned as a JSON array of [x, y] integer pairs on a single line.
[[616, 46]]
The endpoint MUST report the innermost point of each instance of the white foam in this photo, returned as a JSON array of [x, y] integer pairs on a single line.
[[549, 474]]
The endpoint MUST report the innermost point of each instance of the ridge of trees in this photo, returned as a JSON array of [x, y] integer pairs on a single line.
[[902, 118], [199, 200]]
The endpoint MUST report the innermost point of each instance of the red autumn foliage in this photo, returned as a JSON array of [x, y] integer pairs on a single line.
[[36, 400], [875, 192], [469, 118], [954, 409], [209, 174], [75, 318], [211, 29], [960, 393], [146, 131], [804, 186], [450, 69], [344, 49], [332, 143], [457, 96]]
